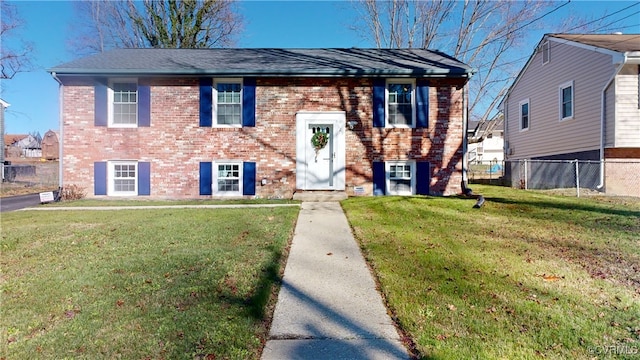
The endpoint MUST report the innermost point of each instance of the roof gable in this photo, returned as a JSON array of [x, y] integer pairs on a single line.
[[268, 62], [607, 42]]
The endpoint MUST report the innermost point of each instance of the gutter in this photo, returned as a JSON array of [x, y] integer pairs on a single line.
[[61, 132], [445, 73], [603, 118]]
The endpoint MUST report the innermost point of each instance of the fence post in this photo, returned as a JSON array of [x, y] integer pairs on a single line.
[[577, 179], [526, 177]]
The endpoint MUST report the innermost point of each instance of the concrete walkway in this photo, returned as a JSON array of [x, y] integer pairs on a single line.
[[328, 306]]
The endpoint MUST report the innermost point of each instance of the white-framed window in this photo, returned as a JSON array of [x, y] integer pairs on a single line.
[[122, 177], [525, 114], [123, 103], [400, 103], [227, 102], [227, 178], [566, 96], [401, 177], [546, 52]]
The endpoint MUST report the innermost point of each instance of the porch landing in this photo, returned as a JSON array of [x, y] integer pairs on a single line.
[[319, 195]]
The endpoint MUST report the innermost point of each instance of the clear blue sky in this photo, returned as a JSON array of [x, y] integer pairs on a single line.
[[285, 24]]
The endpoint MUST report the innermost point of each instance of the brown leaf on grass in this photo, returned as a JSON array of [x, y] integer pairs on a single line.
[[490, 310], [546, 277], [452, 307], [441, 337], [120, 302]]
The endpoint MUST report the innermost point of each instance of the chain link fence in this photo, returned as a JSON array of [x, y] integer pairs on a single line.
[[581, 177]]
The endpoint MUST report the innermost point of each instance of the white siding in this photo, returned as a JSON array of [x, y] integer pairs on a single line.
[[627, 119], [547, 135], [610, 110]]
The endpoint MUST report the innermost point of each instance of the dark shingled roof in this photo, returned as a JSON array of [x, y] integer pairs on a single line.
[[616, 42], [268, 62]]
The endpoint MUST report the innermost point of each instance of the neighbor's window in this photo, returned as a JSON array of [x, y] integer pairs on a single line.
[[123, 178], [400, 177], [124, 106], [400, 103], [228, 102], [228, 178], [546, 52], [524, 114], [566, 100]]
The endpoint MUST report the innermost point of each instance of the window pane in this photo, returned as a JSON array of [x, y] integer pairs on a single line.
[[399, 104], [566, 102], [124, 177], [400, 186], [524, 115], [125, 107]]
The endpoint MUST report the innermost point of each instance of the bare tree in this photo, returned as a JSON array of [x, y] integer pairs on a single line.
[[487, 35], [153, 23], [13, 59]]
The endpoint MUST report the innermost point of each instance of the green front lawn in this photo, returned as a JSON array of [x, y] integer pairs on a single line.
[[140, 284], [527, 276]]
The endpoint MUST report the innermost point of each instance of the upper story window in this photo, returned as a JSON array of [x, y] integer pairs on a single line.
[[124, 104], [227, 95], [400, 103], [566, 100], [524, 114], [546, 52]]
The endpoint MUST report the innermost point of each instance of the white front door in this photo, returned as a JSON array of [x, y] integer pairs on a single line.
[[320, 168]]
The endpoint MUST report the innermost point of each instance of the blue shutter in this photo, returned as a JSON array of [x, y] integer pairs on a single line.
[[101, 103], [249, 102], [379, 178], [379, 86], [206, 97], [423, 177], [205, 178], [144, 178], [144, 105], [422, 104], [248, 178], [100, 178]]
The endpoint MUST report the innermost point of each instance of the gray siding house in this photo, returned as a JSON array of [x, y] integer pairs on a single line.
[[578, 98]]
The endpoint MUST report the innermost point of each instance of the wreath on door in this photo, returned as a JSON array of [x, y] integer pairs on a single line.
[[319, 140]]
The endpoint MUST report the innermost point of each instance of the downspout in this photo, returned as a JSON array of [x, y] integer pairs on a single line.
[[465, 125], [60, 131], [603, 119]]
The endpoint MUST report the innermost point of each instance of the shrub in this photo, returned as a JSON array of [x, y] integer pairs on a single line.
[[73, 192]]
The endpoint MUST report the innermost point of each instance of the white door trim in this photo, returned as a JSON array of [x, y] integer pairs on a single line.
[[304, 149]]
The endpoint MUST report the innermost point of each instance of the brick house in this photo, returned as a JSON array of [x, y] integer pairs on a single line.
[[187, 123]]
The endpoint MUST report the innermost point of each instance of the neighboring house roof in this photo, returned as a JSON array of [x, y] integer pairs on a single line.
[[268, 62], [11, 139], [627, 46], [478, 130], [615, 42]]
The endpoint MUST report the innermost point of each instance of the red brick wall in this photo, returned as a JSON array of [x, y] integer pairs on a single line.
[[175, 144]]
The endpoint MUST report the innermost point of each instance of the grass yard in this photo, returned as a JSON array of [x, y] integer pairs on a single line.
[[528, 276], [140, 284]]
